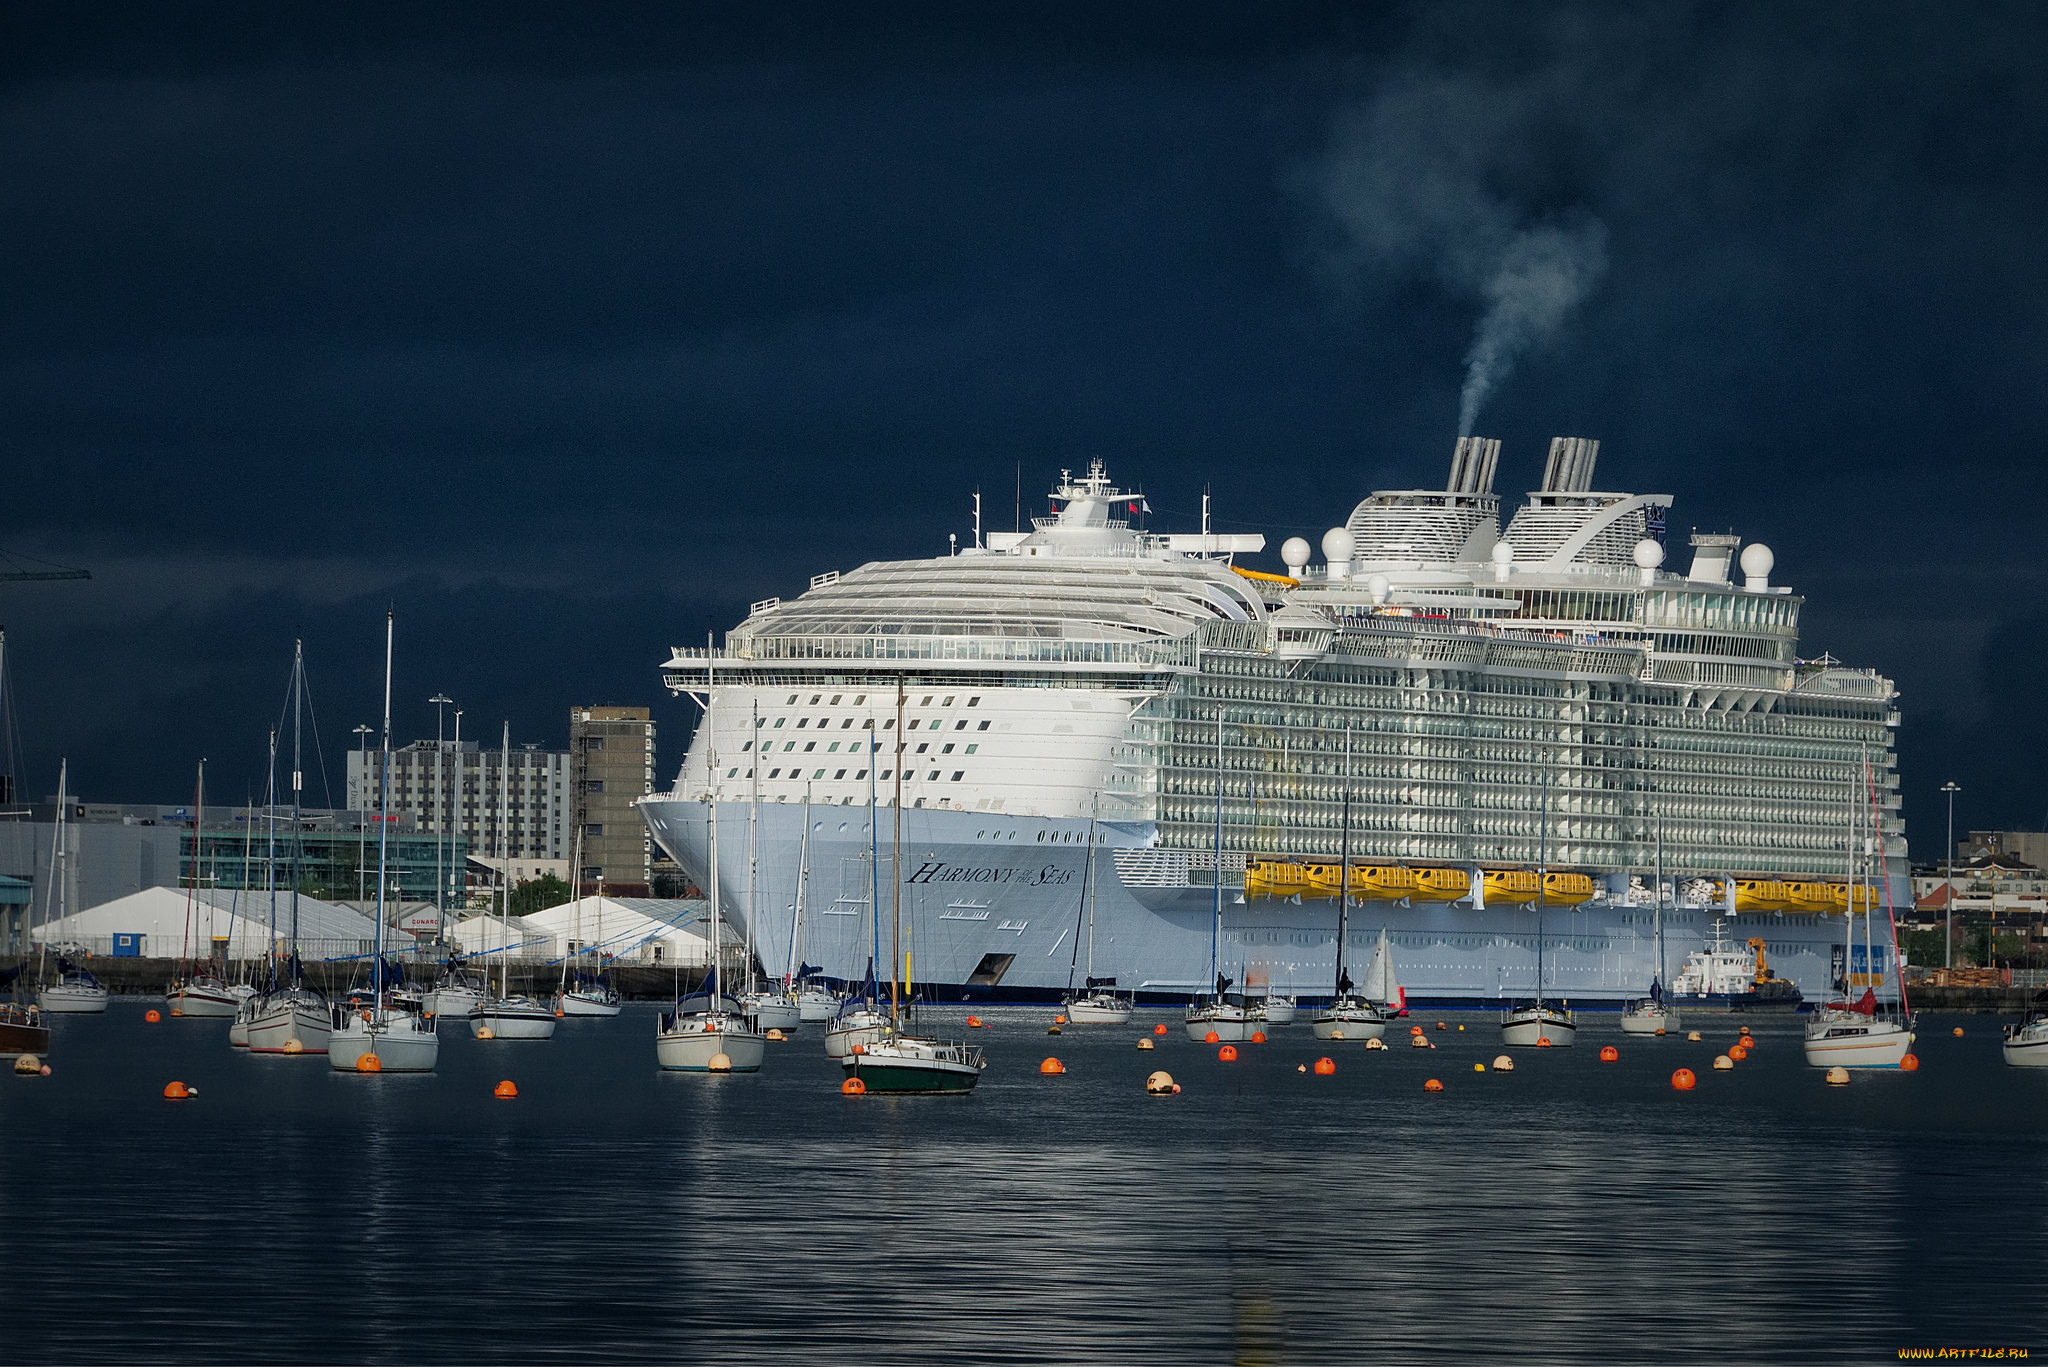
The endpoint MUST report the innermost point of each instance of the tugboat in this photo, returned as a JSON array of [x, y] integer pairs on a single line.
[[1725, 978]]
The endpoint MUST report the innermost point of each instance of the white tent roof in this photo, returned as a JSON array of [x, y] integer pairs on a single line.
[[626, 928], [240, 917]]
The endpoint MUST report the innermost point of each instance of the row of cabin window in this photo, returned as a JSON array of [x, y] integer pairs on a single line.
[[859, 699], [812, 745], [945, 749], [861, 776], [868, 723]]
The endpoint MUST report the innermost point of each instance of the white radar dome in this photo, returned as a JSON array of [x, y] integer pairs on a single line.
[[1294, 551], [1649, 555], [1757, 563], [1337, 546], [1378, 587]]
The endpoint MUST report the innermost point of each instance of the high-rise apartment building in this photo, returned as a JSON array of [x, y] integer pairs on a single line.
[[467, 789], [611, 756]]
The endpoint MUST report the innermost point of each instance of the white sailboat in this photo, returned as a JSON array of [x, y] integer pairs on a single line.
[[773, 1007], [585, 995], [1348, 1016], [199, 990], [2026, 1044], [74, 991], [290, 1016], [1220, 1012], [508, 1015], [708, 1025], [399, 1036], [815, 1003], [904, 1063], [1653, 1015], [1098, 1002], [858, 1021], [1539, 1023], [1860, 1034]]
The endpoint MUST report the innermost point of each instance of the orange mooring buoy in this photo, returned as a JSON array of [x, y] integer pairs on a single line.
[[1052, 1066], [369, 1063], [1414, 1029], [1325, 1067], [1608, 1053], [1258, 1037], [1432, 1086], [853, 1086], [505, 1091], [974, 1022], [1211, 1037], [152, 1016], [1158, 1029], [176, 1091], [1738, 1053], [1059, 1020], [1227, 1054], [1910, 1063], [1683, 1080], [1543, 1041]]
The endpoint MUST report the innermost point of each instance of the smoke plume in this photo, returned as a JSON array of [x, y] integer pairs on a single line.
[[1417, 180]]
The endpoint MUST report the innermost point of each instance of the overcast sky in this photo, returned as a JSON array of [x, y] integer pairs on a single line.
[[570, 330]]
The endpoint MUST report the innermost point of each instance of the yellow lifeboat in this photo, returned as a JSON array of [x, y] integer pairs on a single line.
[[1838, 898], [1760, 894], [1513, 886], [1276, 878], [1441, 885], [1382, 882], [1808, 896], [1567, 889], [1324, 880]]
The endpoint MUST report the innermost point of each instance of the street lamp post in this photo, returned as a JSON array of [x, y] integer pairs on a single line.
[[362, 806], [1948, 923], [440, 700], [455, 875]]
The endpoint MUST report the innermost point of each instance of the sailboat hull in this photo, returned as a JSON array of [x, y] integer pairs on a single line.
[[402, 1042], [1860, 1043], [915, 1067], [1227, 1023], [508, 1020], [773, 1013], [454, 1002], [22, 1031], [74, 999], [689, 1048], [216, 1003], [2026, 1045], [1643, 1021], [1349, 1024], [581, 1005], [1097, 1011], [815, 1008], [1530, 1028], [860, 1028], [1275, 1011], [271, 1026]]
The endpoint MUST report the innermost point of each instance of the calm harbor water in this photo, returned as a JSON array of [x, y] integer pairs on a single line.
[[1571, 1211]]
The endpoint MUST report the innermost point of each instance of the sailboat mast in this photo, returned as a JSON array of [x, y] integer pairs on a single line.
[[1658, 913], [383, 832], [896, 863], [1542, 879], [714, 977], [192, 879], [1216, 921], [753, 823], [298, 824], [52, 901], [505, 863], [270, 862], [803, 890], [1344, 870]]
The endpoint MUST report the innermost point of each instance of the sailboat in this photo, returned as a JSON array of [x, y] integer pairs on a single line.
[[708, 1024], [1538, 1022], [815, 1003], [199, 990], [585, 994], [508, 1015], [23, 1029], [1221, 1013], [1098, 1003], [1653, 1015], [775, 1007], [75, 991], [858, 1020], [1858, 1034], [1348, 1016], [903, 1063], [2026, 1044], [290, 1012], [396, 1033]]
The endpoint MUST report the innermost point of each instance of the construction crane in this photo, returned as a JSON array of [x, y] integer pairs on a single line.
[[19, 569], [12, 569]]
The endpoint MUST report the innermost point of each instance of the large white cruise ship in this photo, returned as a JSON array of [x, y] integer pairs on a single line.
[[1551, 693]]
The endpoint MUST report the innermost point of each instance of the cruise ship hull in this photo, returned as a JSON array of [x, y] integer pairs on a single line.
[[990, 904]]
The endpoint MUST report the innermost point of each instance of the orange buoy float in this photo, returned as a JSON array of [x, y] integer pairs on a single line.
[[152, 1016], [1051, 1067], [1683, 1080], [1227, 1054], [1959, 1032], [505, 1091], [858, 1049], [853, 1086], [1158, 1029], [177, 1091], [1543, 1041], [1414, 1029], [1909, 1063], [1608, 1053], [1211, 1037], [974, 1022], [369, 1063], [1325, 1067], [1258, 1037], [1059, 1020], [1738, 1053], [1432, 1086]]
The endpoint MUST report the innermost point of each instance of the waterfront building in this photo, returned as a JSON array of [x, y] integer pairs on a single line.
[[611, 751], [447, 790]]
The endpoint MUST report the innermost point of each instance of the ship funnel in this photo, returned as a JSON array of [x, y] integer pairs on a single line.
[[1472, 465], [1570, 467], [1711, 552]]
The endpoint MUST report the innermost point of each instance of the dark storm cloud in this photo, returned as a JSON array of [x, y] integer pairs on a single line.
[[570, 332]]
